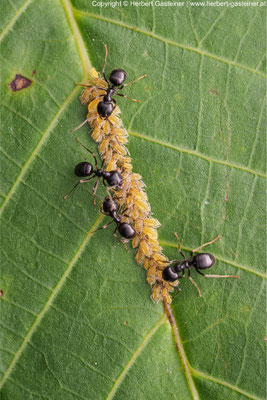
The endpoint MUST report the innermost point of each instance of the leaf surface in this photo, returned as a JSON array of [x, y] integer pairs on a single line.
[[77, 318]]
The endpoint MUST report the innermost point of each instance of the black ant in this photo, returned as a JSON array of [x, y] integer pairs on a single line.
[[110, 208], [115, 82], [200, 261], [83, 169]]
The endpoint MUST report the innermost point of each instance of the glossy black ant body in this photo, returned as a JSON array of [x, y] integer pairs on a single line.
[[115, 82], [110, 208], [83, 169], [200, 261]]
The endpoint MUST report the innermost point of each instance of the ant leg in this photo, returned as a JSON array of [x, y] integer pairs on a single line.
[[218, 276], [162, 280], [83, 123], [95, 189], [121, 240], [103, 227], [74, 187], [194, 283], [86, 148], [205, 244], [130, 83], [127, 97], [104, 66], [179, 245], [92, 87], [116, 137]]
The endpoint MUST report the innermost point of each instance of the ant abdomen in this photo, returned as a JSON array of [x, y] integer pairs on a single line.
[[83, 169], [126, 230], [203, 261], [117, 77], [169, 275], [105, 109]]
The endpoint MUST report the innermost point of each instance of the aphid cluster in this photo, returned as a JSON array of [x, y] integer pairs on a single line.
[[126, 188]]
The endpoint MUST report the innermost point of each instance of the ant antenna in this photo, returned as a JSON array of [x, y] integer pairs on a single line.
[[86, 148], [206, 244], [104, 66], [127, 97], [83, 123], [74, 187], [130, 83], [179, 245]]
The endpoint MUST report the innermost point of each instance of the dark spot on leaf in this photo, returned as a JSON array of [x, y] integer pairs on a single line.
[[19, 83], [1, 293], [214, 92]]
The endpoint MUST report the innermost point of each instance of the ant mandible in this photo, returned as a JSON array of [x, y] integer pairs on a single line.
[[115, 82], [83, 169], [110, 208], [200, 261]]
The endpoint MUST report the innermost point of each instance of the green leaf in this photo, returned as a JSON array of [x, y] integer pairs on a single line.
[[77, 320]]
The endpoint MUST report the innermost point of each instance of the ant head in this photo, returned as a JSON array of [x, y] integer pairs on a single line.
[[203, 261], [109, 205], [126, 230], [83, 169], [117, 77], [105, 109], [169, 275]]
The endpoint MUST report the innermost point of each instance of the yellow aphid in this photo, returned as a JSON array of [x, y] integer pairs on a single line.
[[150, 280], [108, 156], [157, 294], [114, 119], [146, 263], [93, 105], [131, 195], [94, 74], [104, 145], [140, 256], [120, 149], [136, 177], [138, 225], [146, 248], [150, 232], [153, 222], [87, 96], [97, 135], [152, 271], [122, 133], [135, 241]]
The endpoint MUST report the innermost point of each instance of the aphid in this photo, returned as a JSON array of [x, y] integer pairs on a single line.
[[110, 208], [83, 169], [131, 196], [200, 262], [107, 105]]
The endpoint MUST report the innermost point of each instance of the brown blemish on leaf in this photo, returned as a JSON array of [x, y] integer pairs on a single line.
[[19, 83], [214, 92]]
